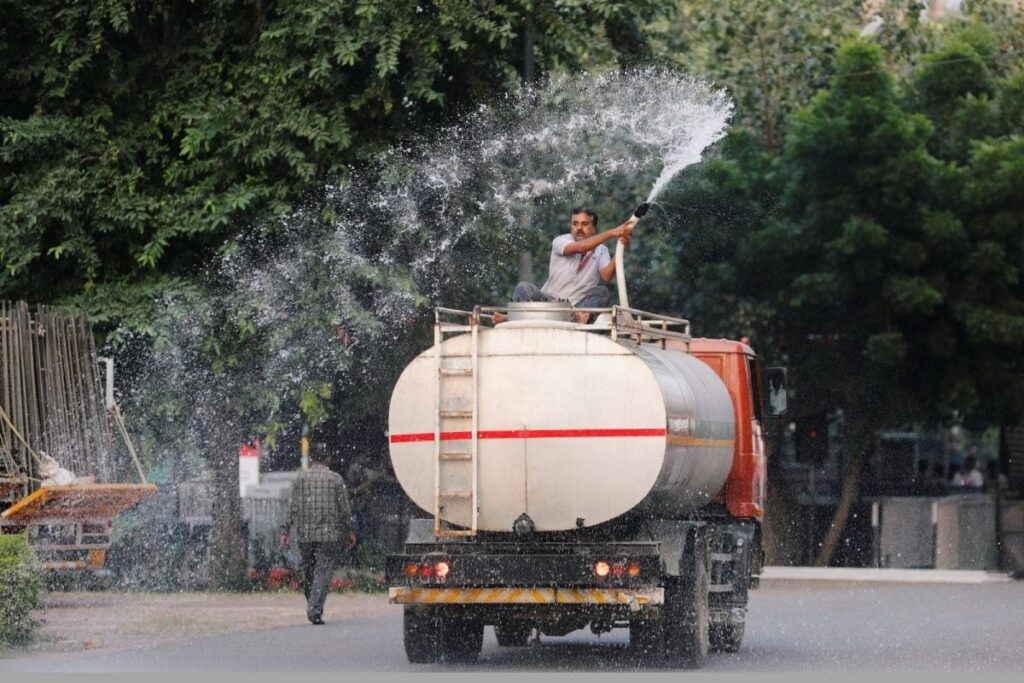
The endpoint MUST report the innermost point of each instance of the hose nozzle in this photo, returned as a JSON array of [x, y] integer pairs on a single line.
[[639, 213]]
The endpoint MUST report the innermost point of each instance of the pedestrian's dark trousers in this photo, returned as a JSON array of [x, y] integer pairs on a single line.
[[317, 563]]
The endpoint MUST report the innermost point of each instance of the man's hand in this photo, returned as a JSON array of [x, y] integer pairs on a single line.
[[624, 232]]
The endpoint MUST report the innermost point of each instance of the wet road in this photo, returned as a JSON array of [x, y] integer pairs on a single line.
[[807, 626]]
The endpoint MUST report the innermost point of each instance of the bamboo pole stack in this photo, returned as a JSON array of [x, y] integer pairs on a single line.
[[51, 395]]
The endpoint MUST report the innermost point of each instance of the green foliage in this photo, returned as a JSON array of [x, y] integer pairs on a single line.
[[136, 139], [686, 258], [898, 254], [955, 89], [149, 556], [859, 177], [21, 589], [372, 557], [139, 141], [951, 73], [772, 57], [891, 267], [315, 404]]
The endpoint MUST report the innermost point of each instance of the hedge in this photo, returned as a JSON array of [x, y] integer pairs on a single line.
[[21, 589]]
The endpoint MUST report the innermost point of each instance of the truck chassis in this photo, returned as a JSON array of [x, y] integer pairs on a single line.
[[680, 587]]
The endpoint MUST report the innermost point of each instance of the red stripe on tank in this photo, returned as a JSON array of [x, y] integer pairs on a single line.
[[529, 434]]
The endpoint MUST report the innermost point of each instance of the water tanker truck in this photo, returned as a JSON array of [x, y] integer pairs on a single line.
[[609, 475]]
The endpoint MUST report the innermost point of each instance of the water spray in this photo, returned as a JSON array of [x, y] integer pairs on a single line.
[[620, 250]]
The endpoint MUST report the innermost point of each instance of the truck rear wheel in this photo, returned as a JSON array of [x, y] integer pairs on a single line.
[[462, 637], [421, 636], [726, 637], [686, 613], [512, 633]]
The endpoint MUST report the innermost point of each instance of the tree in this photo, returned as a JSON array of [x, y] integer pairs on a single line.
[[877, 278], [772, 57], [139, 141], [686, 258], [136, 139]]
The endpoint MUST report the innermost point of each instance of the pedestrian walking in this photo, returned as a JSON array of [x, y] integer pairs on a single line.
[[322, 517]]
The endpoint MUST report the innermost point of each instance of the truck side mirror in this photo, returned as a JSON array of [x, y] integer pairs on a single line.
[[776, 390]]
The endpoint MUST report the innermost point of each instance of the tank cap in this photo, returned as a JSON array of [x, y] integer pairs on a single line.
[[555, 311], [523, 526]]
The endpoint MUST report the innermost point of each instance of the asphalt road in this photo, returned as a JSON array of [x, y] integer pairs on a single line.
[[792, 627]]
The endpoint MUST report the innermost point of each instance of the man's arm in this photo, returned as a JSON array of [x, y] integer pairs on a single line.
[[607, 271], [344, 508], [293, 513], [624, 231], [345, 513]]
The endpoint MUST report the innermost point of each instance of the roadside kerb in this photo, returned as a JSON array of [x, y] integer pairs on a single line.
[[882, 575]]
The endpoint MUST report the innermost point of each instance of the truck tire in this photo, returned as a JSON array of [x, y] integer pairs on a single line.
[[462, 638], [512, 633], [726, 637], [686, 613], [421, 636]]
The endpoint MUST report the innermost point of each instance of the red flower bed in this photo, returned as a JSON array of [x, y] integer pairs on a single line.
[[339, 585], [278, 577]]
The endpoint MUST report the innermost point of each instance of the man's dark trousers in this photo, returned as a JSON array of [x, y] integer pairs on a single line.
[[317, 563]]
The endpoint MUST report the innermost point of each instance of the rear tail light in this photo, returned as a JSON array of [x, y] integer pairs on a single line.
[[427, 570], [619, 570]]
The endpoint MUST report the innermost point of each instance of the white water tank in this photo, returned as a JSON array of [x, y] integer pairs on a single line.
[[574, 429]]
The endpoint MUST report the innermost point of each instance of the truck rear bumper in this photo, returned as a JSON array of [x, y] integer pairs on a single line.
[[633, 598]]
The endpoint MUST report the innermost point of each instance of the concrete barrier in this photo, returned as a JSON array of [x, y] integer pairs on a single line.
[[882, 575], [965, 532]]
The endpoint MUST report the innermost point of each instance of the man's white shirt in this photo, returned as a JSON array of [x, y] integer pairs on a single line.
[[569, 281]]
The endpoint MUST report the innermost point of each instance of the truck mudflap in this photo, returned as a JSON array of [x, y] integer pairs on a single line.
[[635, 598]]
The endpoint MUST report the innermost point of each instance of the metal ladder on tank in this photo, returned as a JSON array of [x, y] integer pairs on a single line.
[[455, 418]]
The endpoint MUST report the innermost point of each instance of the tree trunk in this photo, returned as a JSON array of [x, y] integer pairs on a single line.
[[528, 75], [859, 440], [227, 542], [782, 515]]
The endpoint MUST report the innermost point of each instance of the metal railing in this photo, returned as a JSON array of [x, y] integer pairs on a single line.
[[616, 321]]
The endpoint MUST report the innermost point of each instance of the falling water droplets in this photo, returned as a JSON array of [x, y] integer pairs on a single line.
[[329, 293]]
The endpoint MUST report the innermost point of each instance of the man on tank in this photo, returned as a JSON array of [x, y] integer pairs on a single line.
[[580, 261]]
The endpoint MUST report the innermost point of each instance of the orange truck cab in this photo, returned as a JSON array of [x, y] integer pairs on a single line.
[[738, 366]]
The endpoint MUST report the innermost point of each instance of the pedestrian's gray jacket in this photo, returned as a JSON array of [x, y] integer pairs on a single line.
[[319, 507]]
